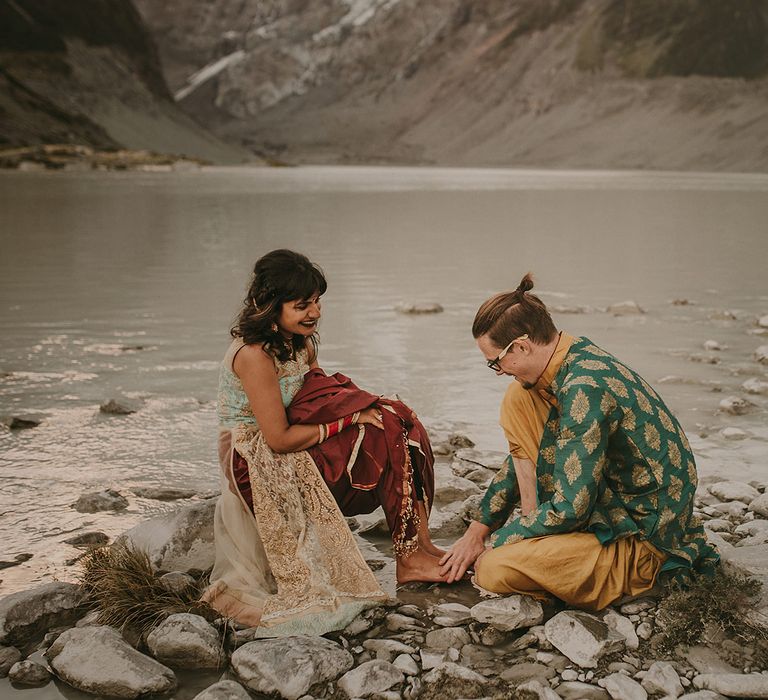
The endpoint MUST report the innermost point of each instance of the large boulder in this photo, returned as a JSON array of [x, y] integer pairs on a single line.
[[509, 613], [184, 640], [29, 614], [178, 541], [370, 678], [289, 666], [98, 660], [582, 637]]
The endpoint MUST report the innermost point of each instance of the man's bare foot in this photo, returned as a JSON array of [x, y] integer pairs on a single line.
[[419, 566]]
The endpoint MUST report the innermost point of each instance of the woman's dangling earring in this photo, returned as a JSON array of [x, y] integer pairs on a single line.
[[274, 327]]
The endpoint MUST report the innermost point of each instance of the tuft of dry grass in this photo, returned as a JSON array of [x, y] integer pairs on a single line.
[[721, 603], [120, 583]]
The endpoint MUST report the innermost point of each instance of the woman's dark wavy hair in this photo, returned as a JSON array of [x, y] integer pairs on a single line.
[[509, 315], [279, 276]]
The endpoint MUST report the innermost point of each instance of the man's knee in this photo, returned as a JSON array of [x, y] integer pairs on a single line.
[[488, 571]]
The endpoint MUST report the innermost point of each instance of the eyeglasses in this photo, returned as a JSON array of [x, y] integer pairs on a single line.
[[494, 364]]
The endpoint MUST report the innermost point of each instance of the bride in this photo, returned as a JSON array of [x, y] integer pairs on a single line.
[[298, 451]]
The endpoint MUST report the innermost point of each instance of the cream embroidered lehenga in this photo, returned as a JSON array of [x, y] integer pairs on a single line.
[[290, 566]]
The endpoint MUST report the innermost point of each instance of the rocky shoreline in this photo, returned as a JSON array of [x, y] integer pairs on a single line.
[[73, 157], [428, 642]]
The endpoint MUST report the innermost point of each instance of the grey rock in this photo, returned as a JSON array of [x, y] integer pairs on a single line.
[[704, 695], [98, 501], [224, 690], [719, 525], [447, 638], [16, 561], [176, 581], [184, 640], [8, 657], [178, 541], [577, 690], [760, 505], [713, 345], [419, 308], [733, 509], [451, 614], [735, 405], [88, 539], [623, 626], [569, 674], [625, 308], [123, 407], [734, 491], [163, 493], [459, 441], [761, 354], [406, 664], [662, 679], [645, 630], [395, 622], [583, 638], [621, 687], [527, 671], [755, 386], [98, 660], [455, 488], [446, 524], [18, 423], [637, 606], [509, 613], [90, 619], [371, 678], [535, 690], [387, 649], [289, 666], [31, 613], [463, 678], [29, 673], [734, 685], [431, 659], [490, 636], [731, 433], [706, 660]]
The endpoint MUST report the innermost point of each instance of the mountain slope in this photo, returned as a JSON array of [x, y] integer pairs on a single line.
[[671, 84]]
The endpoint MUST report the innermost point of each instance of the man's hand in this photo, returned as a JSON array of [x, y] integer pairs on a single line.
[[464, 552]]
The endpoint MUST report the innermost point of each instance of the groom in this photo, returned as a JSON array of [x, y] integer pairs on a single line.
[[601, 469]]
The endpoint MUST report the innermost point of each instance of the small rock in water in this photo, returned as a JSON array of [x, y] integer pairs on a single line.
[[755, 386], [734, 491], [682, 302], [733, 434], [447, 638], [159, 493], [625, 308], [761, 354], [735, 405], [713, 345], [18, 559], [29, 673], [118, 408], [88, 539], [97, 501], [18, 423], [459, 441], [421, 308]]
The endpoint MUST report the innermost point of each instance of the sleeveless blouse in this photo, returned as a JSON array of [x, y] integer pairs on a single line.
[[233, 407]]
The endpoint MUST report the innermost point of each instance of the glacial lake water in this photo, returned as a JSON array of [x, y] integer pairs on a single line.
[[125, 284]]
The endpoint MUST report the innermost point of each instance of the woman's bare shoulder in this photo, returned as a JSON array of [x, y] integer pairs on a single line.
[[253, 357]]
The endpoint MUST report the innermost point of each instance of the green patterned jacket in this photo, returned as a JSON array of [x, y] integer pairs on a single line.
[[613, 461]]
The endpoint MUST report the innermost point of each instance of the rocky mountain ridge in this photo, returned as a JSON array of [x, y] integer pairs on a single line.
[[664, 84], [89, 74]]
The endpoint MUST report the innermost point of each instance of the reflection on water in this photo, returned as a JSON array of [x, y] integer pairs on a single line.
[[124, 284]]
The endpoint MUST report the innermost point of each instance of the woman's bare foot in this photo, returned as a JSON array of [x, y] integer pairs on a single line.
[[425, 541], [419, 566]]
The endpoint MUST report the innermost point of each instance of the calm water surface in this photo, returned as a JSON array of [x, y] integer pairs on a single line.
[[95, 266]]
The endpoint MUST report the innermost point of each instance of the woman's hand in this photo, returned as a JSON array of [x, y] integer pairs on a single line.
[[372, 416]]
